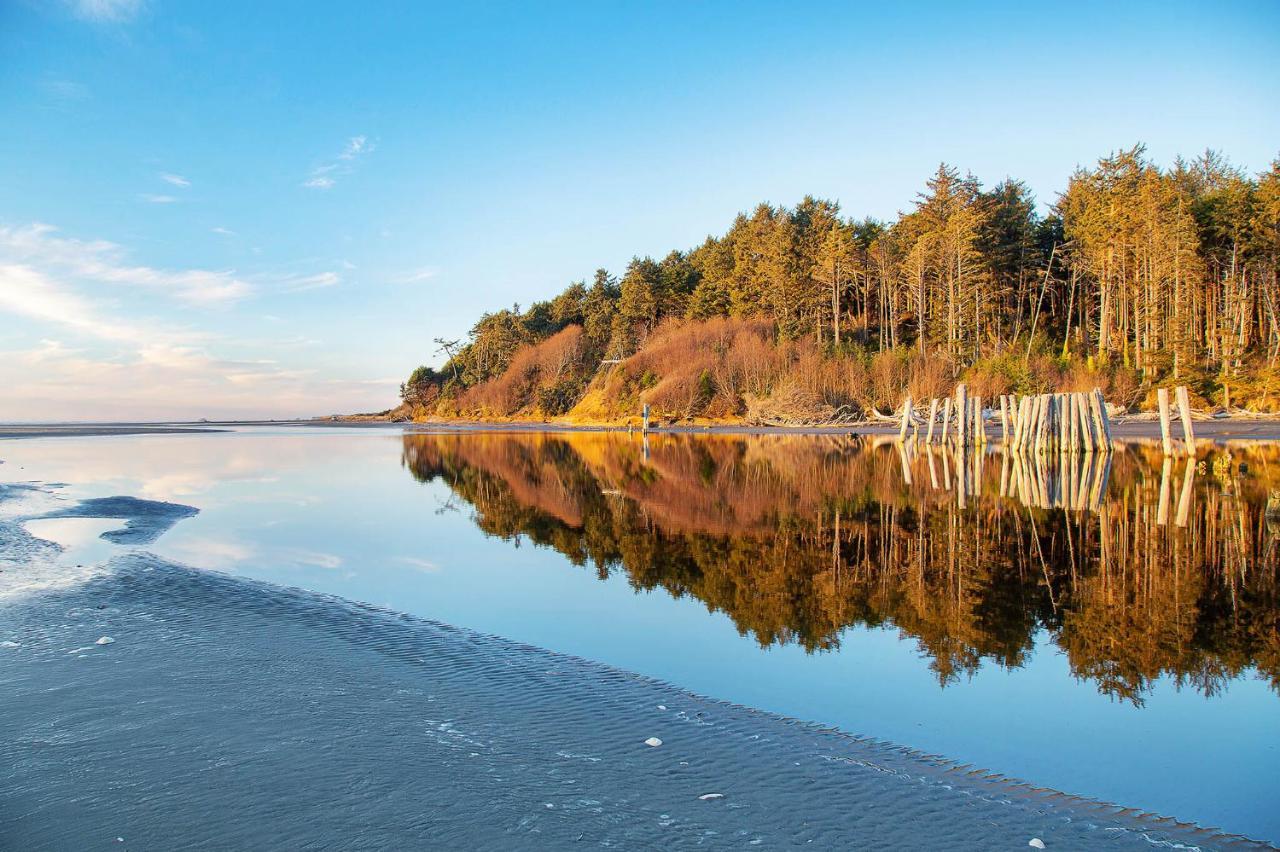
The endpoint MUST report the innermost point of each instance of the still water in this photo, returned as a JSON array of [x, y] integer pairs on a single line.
[[1108, 629]]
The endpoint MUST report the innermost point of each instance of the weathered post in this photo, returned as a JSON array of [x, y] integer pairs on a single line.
[[1027, 419], [1103, 416], [906, 419], [1184, 411], [1004, 419], [962, 412], [1162, 399], [933, 415], [644, 419], [979, 428], [946, 420], [1042, 423], [1064, 422], [1086, 426], [1073, 424]]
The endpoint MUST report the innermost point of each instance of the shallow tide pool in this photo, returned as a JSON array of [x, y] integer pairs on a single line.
[[1107, 630]]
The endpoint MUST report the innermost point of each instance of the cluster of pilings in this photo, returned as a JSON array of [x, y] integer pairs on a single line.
[[1041, 423]]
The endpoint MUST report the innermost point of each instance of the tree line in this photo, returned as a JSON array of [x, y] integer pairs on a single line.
[[1159, 274]]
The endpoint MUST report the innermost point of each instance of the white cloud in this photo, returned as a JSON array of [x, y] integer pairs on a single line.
[[418, 275], [28, 293], [313, 282], [92, 356], [325, 176], [38, 245], [106, 10], [176, 180], [226, 232], [356, 146]]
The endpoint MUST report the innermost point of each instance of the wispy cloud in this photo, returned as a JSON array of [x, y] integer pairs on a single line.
[[116, 11], [356, 146], [93, 355], [157, 199], [417, 275], [38, 245], [325, 175], [313, 282], [176, 180], [65, 90], [226, 232]]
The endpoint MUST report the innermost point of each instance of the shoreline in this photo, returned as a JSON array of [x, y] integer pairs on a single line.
[[1212, 430]]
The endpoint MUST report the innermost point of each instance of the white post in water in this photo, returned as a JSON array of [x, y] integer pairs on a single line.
[[1004, 419], [1103, 416], [1184, 411], [1162, 399], [906, 419], [979, 428], [962, 413], [644, 418], [946, 421], [933, 415]]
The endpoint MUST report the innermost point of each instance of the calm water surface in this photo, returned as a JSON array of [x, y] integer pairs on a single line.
[[1109, 630]]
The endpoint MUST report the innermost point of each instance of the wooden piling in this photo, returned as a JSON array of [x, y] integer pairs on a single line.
[[962, 413], [906, 419], [1042, 423], [933, 415], [644, 418], [1086, 427], [946, 420], [1184, 411], [1162, 400], [1026, 421], [1103, 416], [1004, 419], [979, 428], [1073, 422]]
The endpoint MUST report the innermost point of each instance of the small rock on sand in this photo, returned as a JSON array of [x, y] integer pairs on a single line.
[[653, 742], [105, 640]]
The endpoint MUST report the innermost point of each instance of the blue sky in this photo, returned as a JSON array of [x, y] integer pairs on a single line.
[[270, 209]]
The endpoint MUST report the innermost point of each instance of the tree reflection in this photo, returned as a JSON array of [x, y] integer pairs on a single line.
[[1136, 566]]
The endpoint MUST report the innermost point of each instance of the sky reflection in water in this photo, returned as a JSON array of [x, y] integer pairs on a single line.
[[1092, 649]]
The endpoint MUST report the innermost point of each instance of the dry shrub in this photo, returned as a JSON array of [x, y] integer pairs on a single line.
[[930, 376], [534, 367], [790, 404], [692, 369], [888, 375]]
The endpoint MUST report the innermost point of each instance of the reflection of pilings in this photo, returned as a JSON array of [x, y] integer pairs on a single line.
[[1075, 482], [1184, 501], [1162, 514]]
